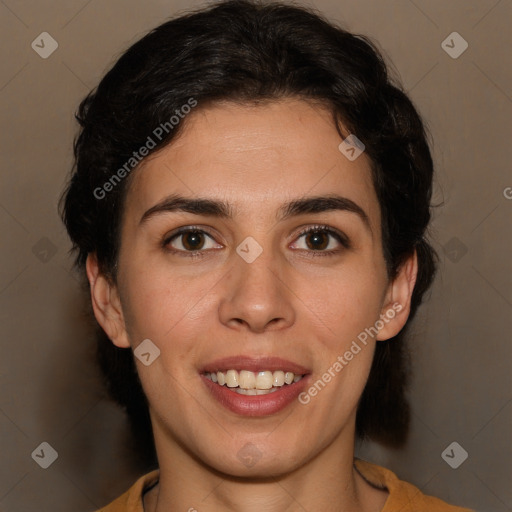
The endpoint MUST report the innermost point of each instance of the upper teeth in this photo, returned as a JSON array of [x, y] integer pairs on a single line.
[[249, 380]]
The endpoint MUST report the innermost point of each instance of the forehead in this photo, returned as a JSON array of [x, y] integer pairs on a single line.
[[255, 158]]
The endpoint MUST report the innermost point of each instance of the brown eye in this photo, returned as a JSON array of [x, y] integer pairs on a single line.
[[322, 241], [317, 240], [189, 240], [193, 240]]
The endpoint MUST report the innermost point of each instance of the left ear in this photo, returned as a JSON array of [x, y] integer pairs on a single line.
[[397, 304]]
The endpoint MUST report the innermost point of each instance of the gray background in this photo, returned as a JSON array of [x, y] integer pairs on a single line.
[[49, 389]]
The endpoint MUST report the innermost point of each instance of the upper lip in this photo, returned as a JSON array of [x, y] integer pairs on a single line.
[[255, 364]]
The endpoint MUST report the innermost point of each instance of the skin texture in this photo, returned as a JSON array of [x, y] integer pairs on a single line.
[[287, 303]]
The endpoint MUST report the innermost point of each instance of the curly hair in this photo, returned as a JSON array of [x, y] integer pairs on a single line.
[[248, 52]]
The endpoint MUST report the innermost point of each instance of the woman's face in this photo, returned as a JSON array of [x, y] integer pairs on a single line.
[[250, 286]]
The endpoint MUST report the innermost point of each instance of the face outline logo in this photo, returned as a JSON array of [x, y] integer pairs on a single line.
[[249, 455], [351, 147], [146, 352]]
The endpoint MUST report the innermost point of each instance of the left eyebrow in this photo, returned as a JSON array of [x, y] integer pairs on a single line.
[[221, 209], [319, 204]]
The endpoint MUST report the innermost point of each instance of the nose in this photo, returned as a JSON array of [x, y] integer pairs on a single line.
[[255, 295]]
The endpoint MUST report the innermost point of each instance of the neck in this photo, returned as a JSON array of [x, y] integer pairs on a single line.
[[328, 482]]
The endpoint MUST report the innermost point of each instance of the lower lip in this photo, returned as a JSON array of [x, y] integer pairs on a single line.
[[256, 405]]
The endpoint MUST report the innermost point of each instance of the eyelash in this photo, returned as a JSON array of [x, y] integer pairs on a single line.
[[339, 236]]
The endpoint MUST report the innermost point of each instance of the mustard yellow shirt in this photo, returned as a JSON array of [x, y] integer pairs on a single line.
[[403, 496]]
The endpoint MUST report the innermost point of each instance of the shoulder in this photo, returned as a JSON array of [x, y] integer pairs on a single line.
[[403, 496], [131, 500]]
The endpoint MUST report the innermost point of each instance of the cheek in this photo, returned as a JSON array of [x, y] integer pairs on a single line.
[[347, 308], [162, 308], [158, 298], [345, 303], [172, 311]]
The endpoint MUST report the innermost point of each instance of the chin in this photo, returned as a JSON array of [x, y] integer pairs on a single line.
[[254, 461]]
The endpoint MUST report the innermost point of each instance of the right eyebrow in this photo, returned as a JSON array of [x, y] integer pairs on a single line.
[[198, 206]]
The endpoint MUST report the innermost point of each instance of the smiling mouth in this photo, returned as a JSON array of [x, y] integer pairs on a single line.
[[246, 382]]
